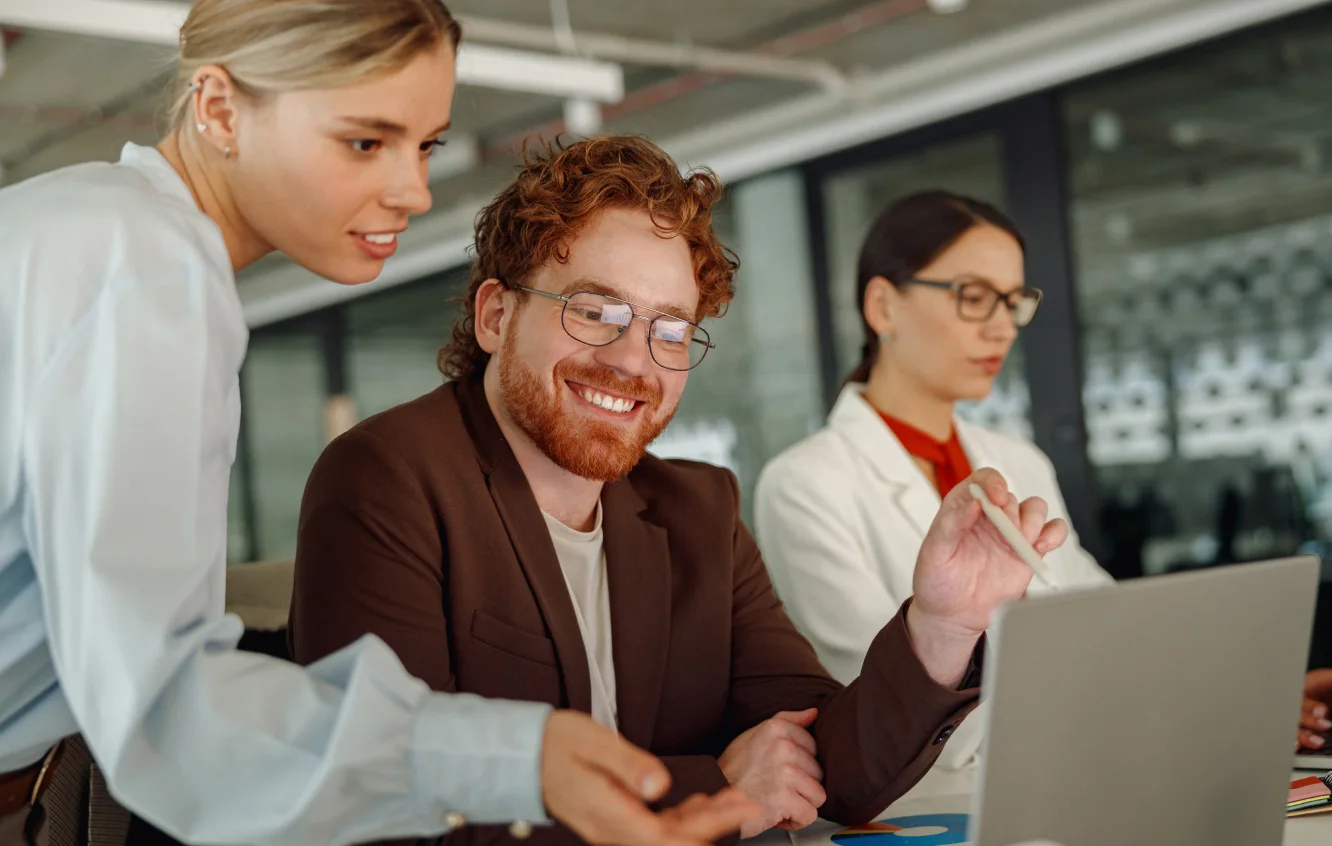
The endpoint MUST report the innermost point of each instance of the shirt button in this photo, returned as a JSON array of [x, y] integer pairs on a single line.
[[945, 734], [454, 820], [521, 830]]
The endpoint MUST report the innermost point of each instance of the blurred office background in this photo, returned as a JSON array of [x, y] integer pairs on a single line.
[[1169, 160]]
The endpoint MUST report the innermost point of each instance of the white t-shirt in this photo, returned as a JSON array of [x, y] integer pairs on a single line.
[[583, 559]]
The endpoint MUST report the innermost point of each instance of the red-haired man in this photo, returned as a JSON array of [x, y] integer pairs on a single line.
[[508, 535]]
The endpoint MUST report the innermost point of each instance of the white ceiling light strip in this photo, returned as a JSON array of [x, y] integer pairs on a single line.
[[540, 73], [153, 22]]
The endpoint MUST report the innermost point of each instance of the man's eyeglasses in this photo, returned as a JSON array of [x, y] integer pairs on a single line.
[[599, 320], [977, 299]]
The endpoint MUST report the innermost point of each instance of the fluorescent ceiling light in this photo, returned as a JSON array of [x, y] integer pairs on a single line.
[[130, 20], [154, 22], [540, 73]]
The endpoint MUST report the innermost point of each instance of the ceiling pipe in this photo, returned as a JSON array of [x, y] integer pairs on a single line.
[[813, 38]]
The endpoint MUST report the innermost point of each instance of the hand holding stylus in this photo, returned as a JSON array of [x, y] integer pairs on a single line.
[[1013, 535], [967, 568]]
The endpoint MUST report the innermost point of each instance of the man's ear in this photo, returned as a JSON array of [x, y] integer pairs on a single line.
[[491, 308]]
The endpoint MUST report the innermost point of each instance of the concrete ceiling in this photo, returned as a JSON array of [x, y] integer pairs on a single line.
[[69, 98]]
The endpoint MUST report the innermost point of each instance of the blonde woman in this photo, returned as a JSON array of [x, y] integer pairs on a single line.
[[304, 127]]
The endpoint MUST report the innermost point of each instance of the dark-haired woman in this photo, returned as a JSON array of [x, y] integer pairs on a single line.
[[841, 515]]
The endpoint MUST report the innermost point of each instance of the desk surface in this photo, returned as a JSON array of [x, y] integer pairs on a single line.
[[945, 791]]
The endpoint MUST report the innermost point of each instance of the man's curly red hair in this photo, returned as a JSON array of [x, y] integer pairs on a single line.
[[558, 192]]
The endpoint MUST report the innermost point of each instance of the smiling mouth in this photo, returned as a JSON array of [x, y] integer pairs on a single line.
[[605, 401]]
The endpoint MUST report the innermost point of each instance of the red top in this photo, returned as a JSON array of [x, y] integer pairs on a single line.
[[950, 462]]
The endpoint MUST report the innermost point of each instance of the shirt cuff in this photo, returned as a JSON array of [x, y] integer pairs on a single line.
[[976, 669], [478, 759]]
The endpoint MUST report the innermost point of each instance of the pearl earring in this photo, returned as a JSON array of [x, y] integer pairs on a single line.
[[202, 127], [226, 152]]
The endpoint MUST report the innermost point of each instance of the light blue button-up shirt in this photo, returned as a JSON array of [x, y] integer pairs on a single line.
[[121, 337]]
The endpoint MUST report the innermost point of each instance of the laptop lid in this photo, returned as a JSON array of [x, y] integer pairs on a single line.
[[1161, 710]]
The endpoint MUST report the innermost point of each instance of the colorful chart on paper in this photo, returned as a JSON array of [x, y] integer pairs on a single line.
[[918, 830]]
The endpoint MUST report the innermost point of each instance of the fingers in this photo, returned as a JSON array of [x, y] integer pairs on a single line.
[[807, 788], [636, 771], [596, 783], [804, 718], [1318, 685], [1032, 517], [702, 819], [779, 730], [602, 812], [797, 809], [1309, 740], [1051, 537], [996, 488], [958, 513], [804, 761], [1313, 716]]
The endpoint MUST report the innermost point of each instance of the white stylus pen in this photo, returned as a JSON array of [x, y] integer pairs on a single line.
[[1013, 536]]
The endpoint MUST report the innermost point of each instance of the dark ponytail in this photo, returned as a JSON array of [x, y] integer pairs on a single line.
[[909, 235]]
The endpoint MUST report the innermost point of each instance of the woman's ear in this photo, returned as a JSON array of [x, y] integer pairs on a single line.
[[215, 115], [880, 305]]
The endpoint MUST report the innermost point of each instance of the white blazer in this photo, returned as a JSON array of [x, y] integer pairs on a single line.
[[840, 518]]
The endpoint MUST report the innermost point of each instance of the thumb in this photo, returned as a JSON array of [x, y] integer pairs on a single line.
[[804, 718], [641, 773]]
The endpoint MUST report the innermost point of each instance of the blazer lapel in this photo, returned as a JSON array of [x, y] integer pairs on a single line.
[[866, 432], [638, 570], [974, 445], [531, 541]]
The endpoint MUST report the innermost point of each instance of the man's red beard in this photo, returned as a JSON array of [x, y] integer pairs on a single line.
[[592, 449]]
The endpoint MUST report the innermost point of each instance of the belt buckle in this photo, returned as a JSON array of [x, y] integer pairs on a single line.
[[49, 764]]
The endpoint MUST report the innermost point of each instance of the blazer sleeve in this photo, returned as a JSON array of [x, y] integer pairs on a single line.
[[822, 571], [877, 736], [369, 561]]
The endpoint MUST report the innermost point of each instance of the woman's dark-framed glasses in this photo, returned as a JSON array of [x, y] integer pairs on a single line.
[[600, 319], [977, 299]]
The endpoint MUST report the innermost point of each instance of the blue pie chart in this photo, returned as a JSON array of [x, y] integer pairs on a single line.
[[896, 831]]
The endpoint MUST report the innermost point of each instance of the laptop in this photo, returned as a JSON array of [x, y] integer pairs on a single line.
[[1156, 711], [1319, 762]]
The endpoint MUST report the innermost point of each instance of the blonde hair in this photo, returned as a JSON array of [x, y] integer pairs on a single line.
[[274, 46]]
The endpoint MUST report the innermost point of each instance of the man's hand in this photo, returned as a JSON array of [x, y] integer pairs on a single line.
[[1314, 723], [774, 764], [598, 784], [965, 570]]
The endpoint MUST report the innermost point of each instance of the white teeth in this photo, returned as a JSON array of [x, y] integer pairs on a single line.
[[619, 406], [381, 237]]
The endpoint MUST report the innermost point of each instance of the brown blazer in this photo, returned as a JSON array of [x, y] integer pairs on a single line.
[[419, 526]]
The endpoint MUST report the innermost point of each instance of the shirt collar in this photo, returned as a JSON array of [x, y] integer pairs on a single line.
[[157, 170]]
